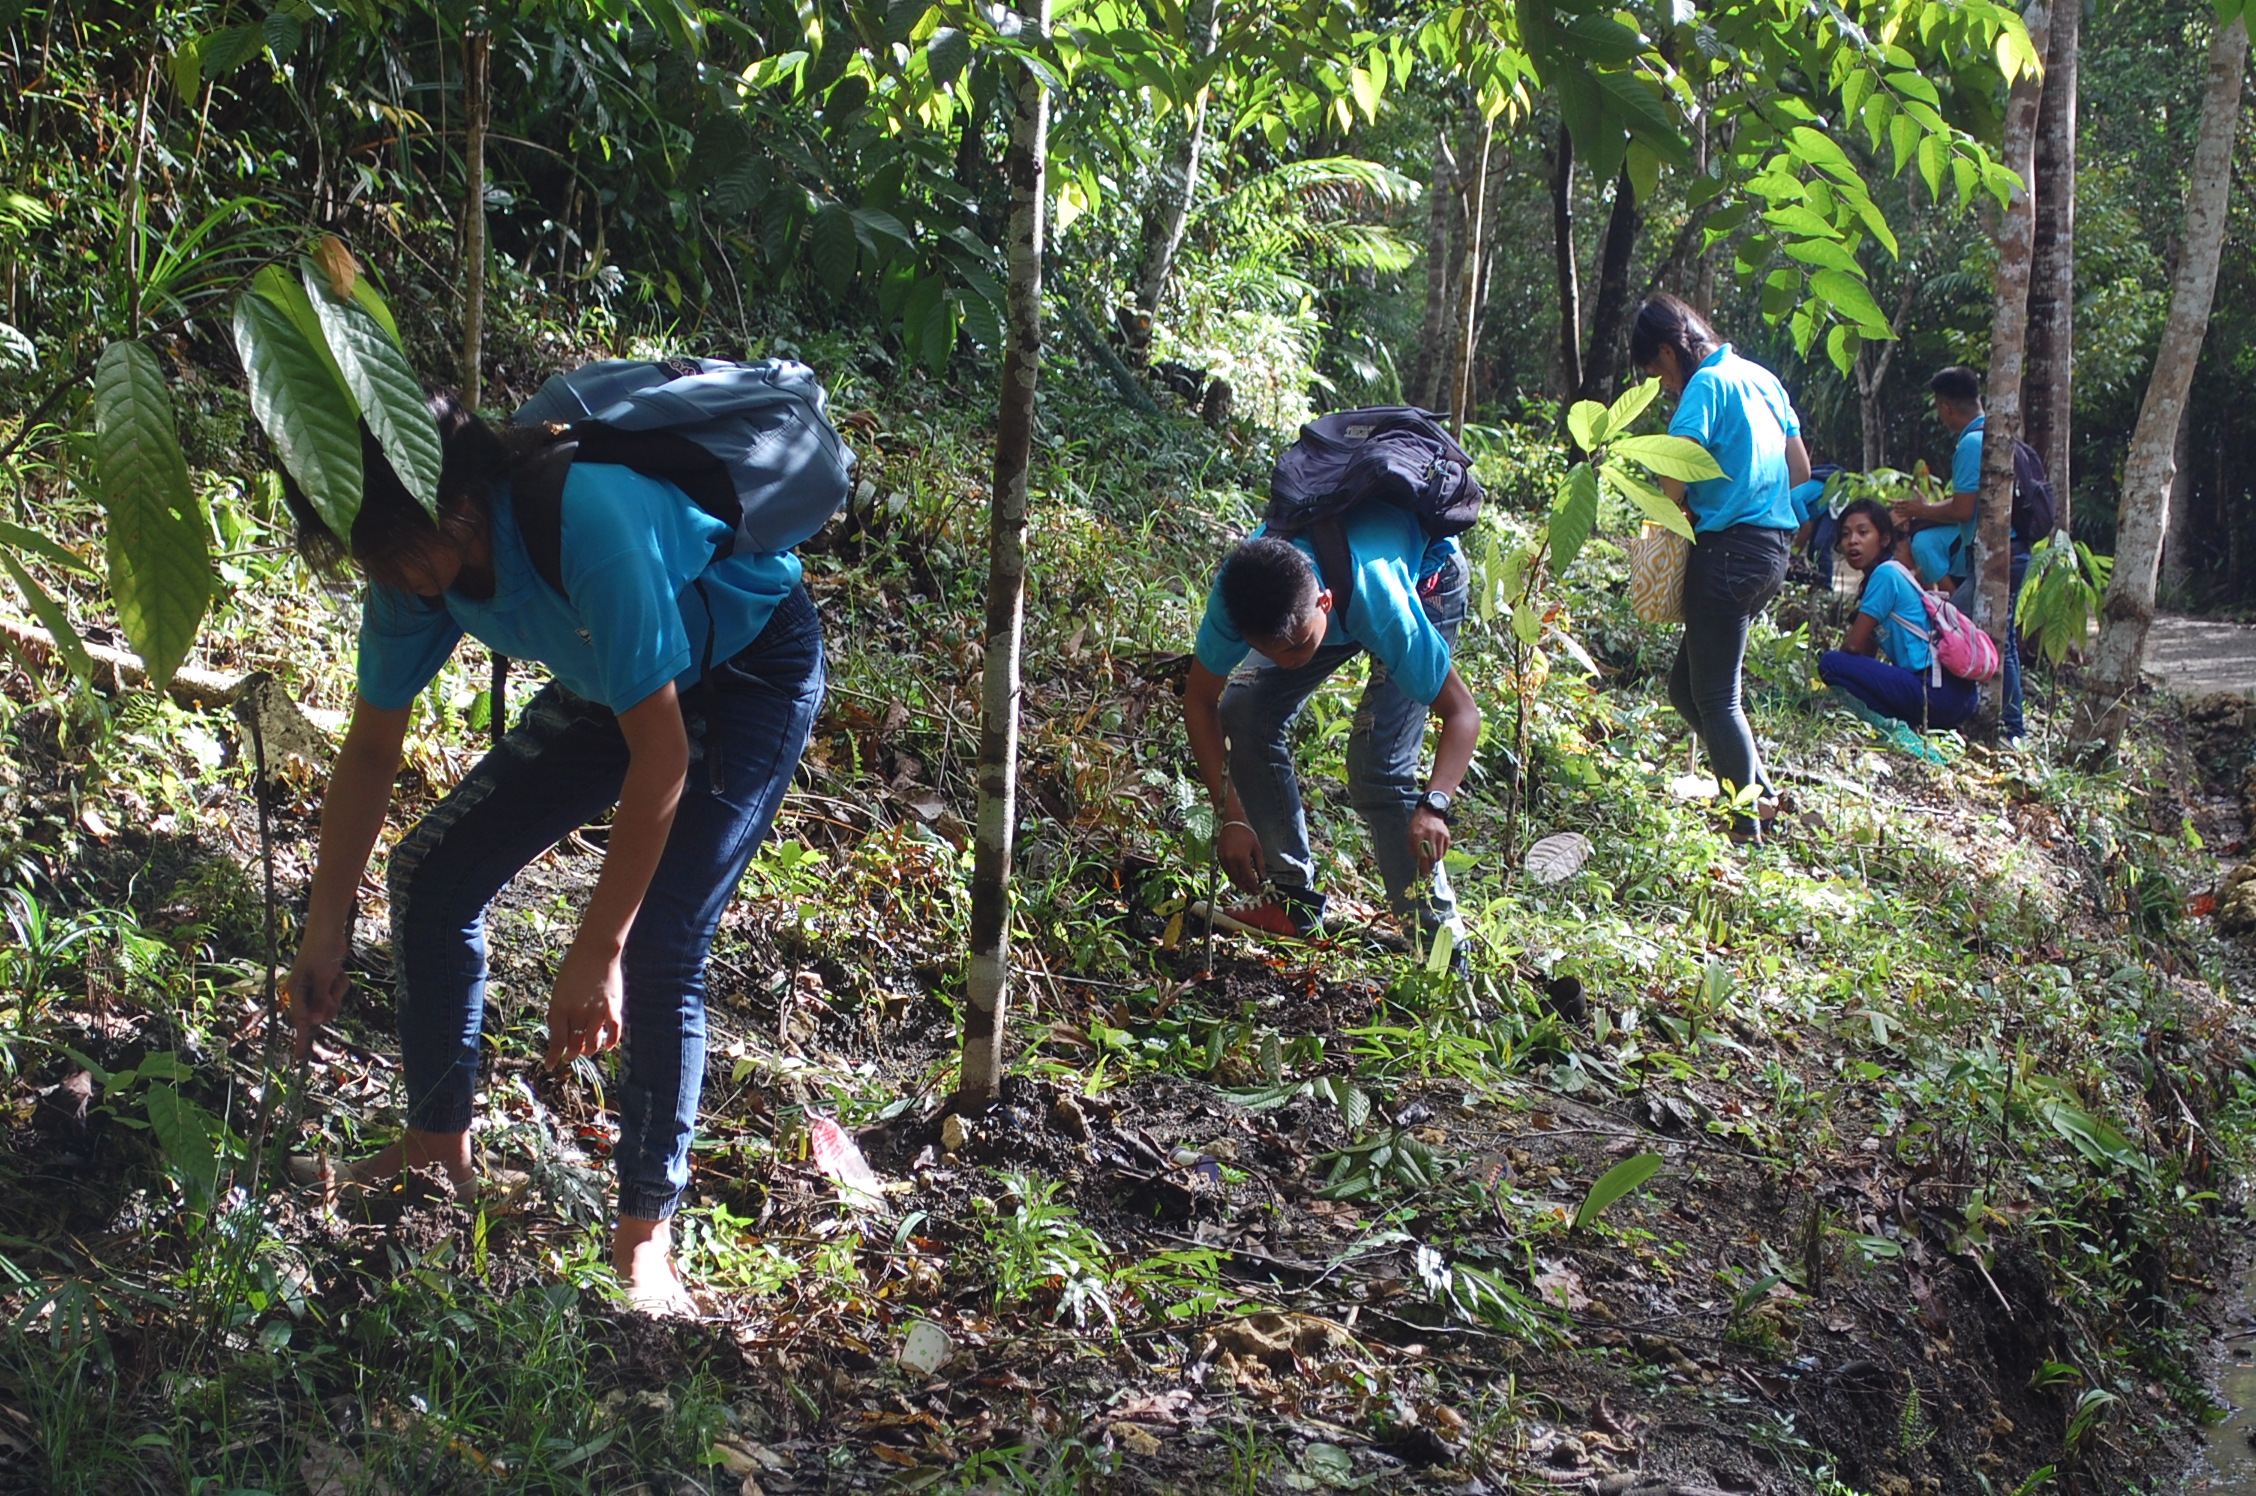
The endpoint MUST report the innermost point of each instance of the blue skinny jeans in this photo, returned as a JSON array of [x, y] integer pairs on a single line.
[[559, 767], [1384, 745], [2012, 712]]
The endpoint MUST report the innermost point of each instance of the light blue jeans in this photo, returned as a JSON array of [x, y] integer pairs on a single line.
[[1259, 707]]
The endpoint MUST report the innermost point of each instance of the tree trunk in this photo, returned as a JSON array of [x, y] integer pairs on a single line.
[[1570, 292], [2143, 516], [476, 45], [2177, 542], [1469, 293], [987, 986], [1178, 180], [2052, 281], [1993, 549], [1426, 367], [1873, 361], [1609, 311]]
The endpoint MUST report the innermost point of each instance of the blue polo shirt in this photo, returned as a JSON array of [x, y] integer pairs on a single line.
[[1739, 411], [632, 548], [1391, 556], [1941, 551], [1892, 598]]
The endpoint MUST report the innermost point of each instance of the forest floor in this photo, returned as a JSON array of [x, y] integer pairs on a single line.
[[1903, 1155]]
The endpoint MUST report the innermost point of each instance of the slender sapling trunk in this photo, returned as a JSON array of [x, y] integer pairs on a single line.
[[987, 986]]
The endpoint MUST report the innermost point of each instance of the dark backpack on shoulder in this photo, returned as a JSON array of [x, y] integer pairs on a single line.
[[2035, 512], [1393, 454], [749, 443]]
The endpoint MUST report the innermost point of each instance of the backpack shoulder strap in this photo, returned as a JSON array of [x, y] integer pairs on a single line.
[[536, 493], [1335, 563]]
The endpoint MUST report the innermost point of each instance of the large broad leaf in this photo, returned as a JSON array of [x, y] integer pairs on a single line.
[[1671, 456], [159, 541], [1623, 413], [390, 396], [1615, 1183], [1587, 424], [833, 248], [305, 409], [1853, 300], [1558, 858], [1573, 516], [1650, 501]]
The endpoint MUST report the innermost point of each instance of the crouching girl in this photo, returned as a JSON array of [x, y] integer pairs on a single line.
[[1891, 621]]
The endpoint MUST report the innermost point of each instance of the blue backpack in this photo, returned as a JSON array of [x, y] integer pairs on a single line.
[[749, 443], [1396, 454]]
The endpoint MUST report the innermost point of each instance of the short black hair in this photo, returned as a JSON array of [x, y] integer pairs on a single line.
[[1957, 384], [1666, 322], [1267, 587], [392, 524]]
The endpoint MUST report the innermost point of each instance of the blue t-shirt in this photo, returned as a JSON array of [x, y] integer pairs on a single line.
[[1739, 411], [632, 546], [1892, 597], [1804, 497], [1391, 556]]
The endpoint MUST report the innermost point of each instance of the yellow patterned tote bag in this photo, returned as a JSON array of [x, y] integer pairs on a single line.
[[1656, 574]]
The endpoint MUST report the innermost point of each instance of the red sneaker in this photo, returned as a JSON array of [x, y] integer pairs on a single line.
[[1267, 917]]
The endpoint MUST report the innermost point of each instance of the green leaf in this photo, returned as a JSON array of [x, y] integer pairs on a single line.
[[159, 540], [42, 547], [1651, 502], [833, 249], [301, 401], [1623, 413], [947, 55], [52, 617], [283, 34], [188, 67], [1615, 1183], [1573, 516], [390, 397], [188, 1136], [1587, 424], [1826, 253], [222, 52], [1849, 296], [1671, 456], [373, 304]]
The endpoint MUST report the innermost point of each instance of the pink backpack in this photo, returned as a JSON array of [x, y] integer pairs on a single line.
[[1953, 643]]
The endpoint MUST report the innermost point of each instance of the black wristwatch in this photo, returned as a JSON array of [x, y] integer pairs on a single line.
[[1438, 802]]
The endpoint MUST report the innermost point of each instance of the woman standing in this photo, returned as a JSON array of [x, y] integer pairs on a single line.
[[1743, 523], [684, 689]]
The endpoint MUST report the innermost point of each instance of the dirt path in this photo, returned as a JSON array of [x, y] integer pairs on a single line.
[[2195, 656]]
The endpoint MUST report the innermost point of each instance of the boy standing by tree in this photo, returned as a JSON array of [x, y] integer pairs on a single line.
[[1942, 541], [1405, 604]]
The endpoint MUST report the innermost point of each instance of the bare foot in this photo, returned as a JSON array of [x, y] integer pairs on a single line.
[[417, 1149], [643, 1253]]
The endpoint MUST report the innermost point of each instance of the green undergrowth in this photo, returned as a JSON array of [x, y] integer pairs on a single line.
[[1976, 976]]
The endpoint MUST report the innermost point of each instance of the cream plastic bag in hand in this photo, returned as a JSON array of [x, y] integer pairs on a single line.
[[1657, 556]]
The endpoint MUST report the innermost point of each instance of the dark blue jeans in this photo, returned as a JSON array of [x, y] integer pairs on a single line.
[[558, 768], [1730, 576], [2012, 715], [1892, 691]]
